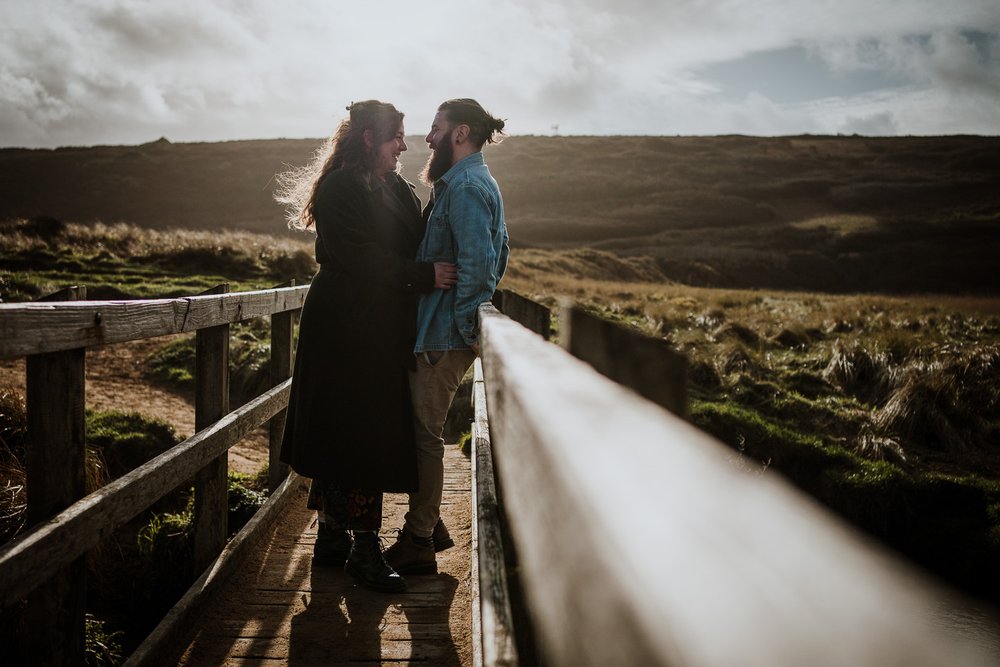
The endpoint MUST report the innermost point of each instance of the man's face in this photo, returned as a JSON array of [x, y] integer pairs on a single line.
[[442, 154], [440, 131]]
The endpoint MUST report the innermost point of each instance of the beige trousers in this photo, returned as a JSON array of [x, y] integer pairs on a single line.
[[432, 388]]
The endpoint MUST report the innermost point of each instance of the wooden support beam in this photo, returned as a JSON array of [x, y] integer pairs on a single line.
[[282, 356], [211, 485], [56, 478]]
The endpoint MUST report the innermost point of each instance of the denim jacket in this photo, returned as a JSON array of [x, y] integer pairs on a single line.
[[465, 227]]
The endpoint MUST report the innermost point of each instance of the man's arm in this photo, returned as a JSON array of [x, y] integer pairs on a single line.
[[471, 215]]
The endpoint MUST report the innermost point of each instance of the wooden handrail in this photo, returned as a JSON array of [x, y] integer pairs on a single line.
[[33, 328], [641, 542], [493, 638], [35, 555], [64, 525]]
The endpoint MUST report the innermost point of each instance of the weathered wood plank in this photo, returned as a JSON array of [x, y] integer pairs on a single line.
[[162, 642], [211, 402], [34, 328], [493, 626], [644, 364], [282, 355], [36, 554], [742, 569], [56, 478]]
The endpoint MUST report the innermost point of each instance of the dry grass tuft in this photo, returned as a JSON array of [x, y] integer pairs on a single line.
[[858, 372], [13, 495]]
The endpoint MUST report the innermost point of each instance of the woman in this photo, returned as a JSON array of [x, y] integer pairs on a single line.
[[349, 421]]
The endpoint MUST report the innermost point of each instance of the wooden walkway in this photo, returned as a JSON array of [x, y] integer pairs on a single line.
[[278, 610]]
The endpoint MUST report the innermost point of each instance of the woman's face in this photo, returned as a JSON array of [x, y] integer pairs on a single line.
[[387, 154]]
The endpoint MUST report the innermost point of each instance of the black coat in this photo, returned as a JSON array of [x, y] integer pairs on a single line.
[[349, 417]]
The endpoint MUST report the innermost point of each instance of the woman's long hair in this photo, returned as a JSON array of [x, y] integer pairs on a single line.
[[296, 188]]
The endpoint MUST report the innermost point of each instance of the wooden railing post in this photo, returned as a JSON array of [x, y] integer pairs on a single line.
[[282, 349], [56, 478], [525, 312], [211, 502], [647, 365]]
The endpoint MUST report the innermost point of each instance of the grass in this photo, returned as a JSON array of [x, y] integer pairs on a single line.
[[249, 358], [123, 261], [770, 263]]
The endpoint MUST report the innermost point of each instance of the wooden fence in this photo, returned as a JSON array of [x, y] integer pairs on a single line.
[[45, 563], [641, 540]]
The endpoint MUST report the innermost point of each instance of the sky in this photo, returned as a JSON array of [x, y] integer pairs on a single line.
[[93, 72]]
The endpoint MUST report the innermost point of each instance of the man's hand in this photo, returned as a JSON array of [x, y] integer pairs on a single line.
[[445, 275], [475, 348]]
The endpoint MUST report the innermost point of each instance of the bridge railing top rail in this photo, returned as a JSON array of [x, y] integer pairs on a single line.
[[41, 327]]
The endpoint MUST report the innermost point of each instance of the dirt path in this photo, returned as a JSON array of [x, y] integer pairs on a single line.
[[116, 381]]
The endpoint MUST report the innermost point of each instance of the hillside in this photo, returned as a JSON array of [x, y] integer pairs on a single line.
[[836, 214]]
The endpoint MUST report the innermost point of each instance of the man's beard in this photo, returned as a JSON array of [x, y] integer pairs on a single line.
[[439, 162]]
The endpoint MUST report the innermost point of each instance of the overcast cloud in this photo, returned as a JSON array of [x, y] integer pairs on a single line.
[[130, 71]]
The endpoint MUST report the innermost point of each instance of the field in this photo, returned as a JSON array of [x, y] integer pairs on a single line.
[[818, 213], [837, 297]]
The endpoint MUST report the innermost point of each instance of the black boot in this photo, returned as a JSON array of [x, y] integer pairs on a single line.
[[332, 546], [368, 566]]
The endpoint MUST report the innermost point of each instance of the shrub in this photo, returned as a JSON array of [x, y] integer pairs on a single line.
[[126, 440], [858, 372], [13, 496], [166, 551], [736, 331], [734, 357], [13, 423], [298, 264], [174, 362], [249, 362], [243, 501], [102, 648]]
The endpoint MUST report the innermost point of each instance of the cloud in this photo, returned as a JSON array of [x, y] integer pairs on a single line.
[[128, 71], [882, 124]]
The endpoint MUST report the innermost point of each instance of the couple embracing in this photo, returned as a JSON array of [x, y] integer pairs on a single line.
[[389, 327]]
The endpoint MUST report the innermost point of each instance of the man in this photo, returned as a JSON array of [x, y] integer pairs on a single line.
[[465, 226]]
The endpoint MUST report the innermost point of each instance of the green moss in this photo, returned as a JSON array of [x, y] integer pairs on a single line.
[[244, 501], [465, 443], [174, 362], [127, 439]]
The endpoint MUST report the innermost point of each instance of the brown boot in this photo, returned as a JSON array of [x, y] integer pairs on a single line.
[[407, 556], [442, 538]]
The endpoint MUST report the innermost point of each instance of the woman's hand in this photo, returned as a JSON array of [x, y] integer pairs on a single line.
[[445, 275]]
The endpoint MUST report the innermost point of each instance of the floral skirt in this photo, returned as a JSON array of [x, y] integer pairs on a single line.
[[346, 509]]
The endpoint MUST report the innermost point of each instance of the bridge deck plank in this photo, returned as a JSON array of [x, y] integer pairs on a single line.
[[279, 610]]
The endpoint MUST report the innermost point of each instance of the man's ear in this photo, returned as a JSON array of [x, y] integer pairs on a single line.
[[461, 133], [368, 139]]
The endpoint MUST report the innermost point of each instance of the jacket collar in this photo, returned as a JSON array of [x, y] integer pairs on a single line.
[[463, 165]]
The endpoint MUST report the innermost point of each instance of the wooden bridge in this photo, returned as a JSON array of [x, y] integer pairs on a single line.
[[605, 529]]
